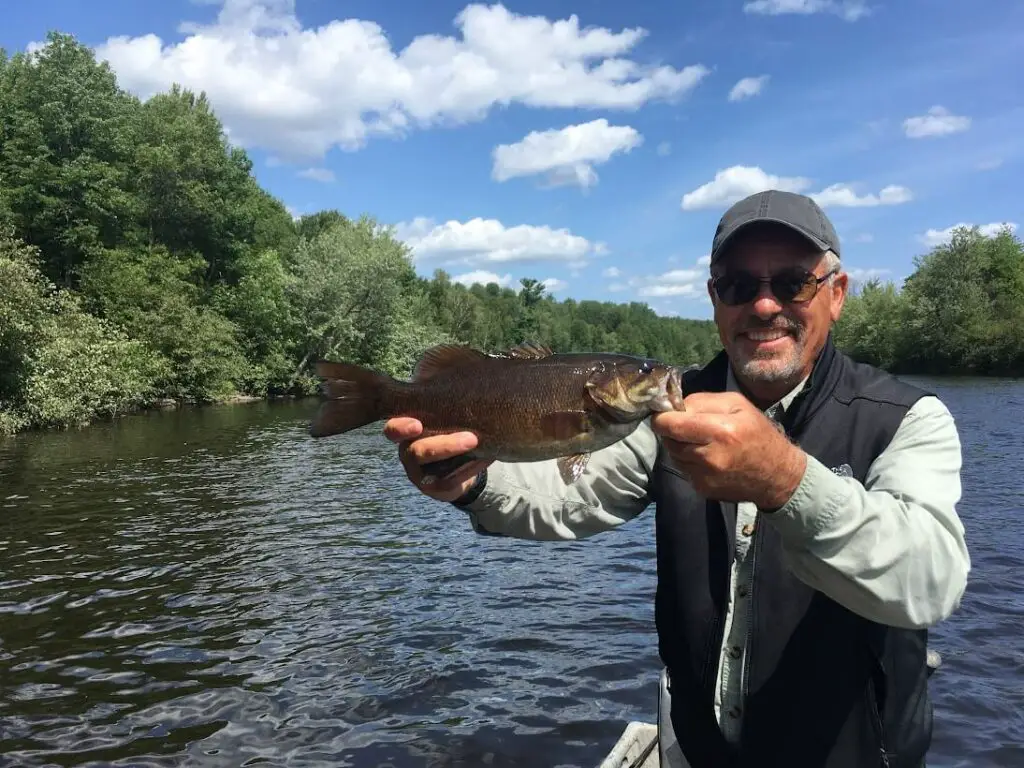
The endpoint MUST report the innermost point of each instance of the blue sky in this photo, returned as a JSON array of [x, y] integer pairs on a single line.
[[595, 144]]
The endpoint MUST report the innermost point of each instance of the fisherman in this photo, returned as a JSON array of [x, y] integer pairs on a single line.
[[806, 523]]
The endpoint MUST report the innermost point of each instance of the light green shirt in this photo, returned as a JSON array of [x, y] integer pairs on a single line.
[[892, 550]]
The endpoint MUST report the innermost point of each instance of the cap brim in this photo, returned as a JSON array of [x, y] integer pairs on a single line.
[[811, 238]]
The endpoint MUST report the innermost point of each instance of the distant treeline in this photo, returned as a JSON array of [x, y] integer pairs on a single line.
[[140, 260]]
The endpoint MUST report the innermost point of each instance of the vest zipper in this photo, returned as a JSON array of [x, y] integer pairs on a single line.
[[748, 650], [715, 637], [879, 724]]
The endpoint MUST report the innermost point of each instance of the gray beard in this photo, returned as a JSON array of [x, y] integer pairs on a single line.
[[768, 368]]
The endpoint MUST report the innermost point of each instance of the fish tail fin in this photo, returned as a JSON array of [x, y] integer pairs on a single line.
[[356, 396]]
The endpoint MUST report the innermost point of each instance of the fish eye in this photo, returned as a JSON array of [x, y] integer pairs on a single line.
[[645, 366]]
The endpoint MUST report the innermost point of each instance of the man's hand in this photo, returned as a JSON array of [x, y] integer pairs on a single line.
[[414, 453], [730, 451]]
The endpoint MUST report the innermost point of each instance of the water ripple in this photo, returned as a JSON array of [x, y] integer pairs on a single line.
[[211, 587]]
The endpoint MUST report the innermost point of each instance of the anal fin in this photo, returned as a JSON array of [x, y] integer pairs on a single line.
[[571, 467]]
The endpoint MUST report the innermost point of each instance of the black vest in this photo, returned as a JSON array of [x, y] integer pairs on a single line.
[[826, 688]]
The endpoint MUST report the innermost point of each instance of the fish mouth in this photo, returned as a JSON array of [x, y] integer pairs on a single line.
[[671, 397]]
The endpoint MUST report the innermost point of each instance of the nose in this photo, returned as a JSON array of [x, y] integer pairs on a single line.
[[765, 304]]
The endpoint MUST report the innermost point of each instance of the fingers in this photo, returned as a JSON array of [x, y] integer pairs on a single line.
[[467, 473], [440, 447], [454, 485], [414, 451], [400, 429]]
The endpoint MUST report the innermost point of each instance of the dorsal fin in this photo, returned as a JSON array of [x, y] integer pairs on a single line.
[[528, 350], [443, 356]]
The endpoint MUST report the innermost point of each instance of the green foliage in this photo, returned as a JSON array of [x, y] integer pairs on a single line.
[[67, 136], [961, 311], [140, 260], [59, 365], [491, 317]]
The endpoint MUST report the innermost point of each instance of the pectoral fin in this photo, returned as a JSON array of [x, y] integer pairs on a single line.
[[571, 467]]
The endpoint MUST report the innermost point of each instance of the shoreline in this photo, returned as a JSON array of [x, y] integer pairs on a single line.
[[160, 404], [171, 404]]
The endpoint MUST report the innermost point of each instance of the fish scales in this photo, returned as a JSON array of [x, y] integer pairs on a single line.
[[508, 403], [523, 404]]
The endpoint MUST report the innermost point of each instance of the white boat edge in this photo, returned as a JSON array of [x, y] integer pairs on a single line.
[[649, 745], [636, 748]]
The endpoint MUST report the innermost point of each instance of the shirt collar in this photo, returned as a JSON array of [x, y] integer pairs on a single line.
[[777, 409]]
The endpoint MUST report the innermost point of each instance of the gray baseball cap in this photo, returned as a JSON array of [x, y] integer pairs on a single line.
[[798, 212]]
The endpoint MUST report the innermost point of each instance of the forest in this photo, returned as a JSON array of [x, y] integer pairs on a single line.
[[140, 262]]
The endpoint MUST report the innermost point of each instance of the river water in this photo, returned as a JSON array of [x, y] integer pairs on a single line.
[[211, 587]]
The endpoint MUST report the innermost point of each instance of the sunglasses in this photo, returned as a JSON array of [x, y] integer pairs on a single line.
[[793, 285]]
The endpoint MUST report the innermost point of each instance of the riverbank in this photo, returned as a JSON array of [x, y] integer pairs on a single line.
[[157, 405], [169, 402]]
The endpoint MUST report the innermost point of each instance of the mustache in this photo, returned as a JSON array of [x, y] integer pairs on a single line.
[[779, 323]]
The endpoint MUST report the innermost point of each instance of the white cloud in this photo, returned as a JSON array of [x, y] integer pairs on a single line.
[[704, 261], [483, 277], [326, 175], [733, 184], [934, 237], [748, 87], [862, 274], [302, 91], [611, 272], [844, 196], [682, 275], [567, 155], [938, 122], [849, 10], [487, 241], [686, 283], [664, 148], [669, 289], [990, 165]]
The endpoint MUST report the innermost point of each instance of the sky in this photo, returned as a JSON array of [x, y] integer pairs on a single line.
[[594, 145]]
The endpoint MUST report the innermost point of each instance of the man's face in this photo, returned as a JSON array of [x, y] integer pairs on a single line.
[[769, 342]]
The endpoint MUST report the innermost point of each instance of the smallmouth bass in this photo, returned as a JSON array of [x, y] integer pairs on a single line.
[[525, 403]]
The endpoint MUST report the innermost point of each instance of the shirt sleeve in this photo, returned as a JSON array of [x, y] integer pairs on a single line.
[[893, 549], [529, 500]]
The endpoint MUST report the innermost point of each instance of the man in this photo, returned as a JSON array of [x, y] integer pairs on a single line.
[[807, 533]]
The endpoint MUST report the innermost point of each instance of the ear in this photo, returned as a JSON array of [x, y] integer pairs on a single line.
[[711, 291], [838, 291]]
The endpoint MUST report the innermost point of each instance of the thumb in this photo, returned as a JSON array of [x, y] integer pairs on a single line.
[[686, 426], [715, 402]]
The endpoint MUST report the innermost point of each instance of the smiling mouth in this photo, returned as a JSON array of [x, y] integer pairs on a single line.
[[765, 335]]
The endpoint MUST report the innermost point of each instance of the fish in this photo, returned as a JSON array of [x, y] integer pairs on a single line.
[[525, 403]]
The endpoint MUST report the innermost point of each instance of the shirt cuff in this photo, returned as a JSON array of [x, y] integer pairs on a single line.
[[480, 497], [813, 506]]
